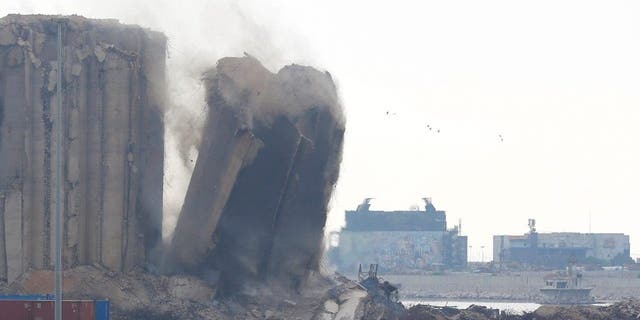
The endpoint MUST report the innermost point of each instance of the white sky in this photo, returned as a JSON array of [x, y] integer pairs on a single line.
[[559, 80]]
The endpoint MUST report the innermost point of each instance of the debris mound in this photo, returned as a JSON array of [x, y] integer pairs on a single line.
[[251, 227], [624, 310], [134, 295]]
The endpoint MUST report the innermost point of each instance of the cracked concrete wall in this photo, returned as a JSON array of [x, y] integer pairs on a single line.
[[257, 201], [113, 92]]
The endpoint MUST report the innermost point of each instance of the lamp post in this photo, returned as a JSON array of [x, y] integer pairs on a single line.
[[59, 186]]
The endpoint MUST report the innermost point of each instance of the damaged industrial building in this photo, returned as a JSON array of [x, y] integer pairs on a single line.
[[255, 209], [257, 202], [249, 240], [560, 249], [113, 92], [400, 242]]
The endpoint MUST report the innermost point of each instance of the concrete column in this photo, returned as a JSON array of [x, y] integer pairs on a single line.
[[116, 133]]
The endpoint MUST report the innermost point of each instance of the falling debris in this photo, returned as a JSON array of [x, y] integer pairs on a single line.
[[257, 202], [249, 238], [253, 217], [257, 205]]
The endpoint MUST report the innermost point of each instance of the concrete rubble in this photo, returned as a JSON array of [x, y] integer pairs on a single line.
[[133, 295], [627, 309], [141, 296], [257, 201], [248, 242], [251, 228], [624, 310]]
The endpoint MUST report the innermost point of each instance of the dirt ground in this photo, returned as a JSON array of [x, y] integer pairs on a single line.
[[143, 296]]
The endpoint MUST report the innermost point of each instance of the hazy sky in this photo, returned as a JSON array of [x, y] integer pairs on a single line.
[[559, 80]]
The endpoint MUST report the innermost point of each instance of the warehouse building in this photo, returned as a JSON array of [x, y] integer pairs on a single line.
[[557, 249], [399, 241]]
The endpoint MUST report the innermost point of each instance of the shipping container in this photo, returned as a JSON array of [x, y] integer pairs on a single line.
[[41, 307]]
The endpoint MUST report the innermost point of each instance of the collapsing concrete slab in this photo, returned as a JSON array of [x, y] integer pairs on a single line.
[[257, 202], [113, 91]]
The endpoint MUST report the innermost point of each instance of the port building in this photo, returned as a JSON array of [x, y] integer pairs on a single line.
[[558, 249], [398, 241]]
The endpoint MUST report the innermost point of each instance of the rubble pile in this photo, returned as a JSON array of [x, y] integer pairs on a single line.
[[625, 310], [249, 237], [628, 309], [352, 300], [426, 312], [444, 313], [142, 296], [133, 295], [250, 233]]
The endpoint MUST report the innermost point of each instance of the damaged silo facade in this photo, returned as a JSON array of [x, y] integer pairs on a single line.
[[257, 201], [113, 148]]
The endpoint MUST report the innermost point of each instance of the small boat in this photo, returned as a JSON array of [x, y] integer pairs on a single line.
[[565, 288]]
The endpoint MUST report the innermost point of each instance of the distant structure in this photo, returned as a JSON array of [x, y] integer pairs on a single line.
[[565, 287], [399, 241], [556, 249]]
